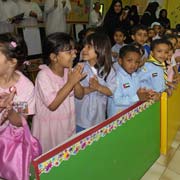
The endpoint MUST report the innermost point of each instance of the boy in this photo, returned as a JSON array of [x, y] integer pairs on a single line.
[[140, 36], [154, 75], [127, 92], [119, 38]]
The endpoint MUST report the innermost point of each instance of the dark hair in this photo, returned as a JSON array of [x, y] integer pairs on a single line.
[[111, 9], [178, 27], [169, 36], [135, 29], [161, 12], [120, 30], [139, 46], [56, 42], [156, 42], [128, 48], [152, 7], [102, 47], [13, 47]]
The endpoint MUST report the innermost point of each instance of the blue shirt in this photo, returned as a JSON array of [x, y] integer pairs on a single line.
[[91, 110], [125, 94], [116, 48], [152, 77]]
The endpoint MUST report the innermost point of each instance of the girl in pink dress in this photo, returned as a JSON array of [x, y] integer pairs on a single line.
[[18, 93], [55, 87]]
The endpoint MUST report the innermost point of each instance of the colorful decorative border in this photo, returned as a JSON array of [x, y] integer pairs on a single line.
[[64, 155]]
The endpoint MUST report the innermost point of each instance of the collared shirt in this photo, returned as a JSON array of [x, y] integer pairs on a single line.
[[125, 94], [91, 110], [152, 77], [116, 48]]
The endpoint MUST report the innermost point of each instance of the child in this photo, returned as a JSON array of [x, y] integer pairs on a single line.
[[127, 91], [173, 39], [140, 36], [151, 35], [119, 38], [177, 53], [154, 74], [55, 88], [157, 29], [99, 82], [13, 52]]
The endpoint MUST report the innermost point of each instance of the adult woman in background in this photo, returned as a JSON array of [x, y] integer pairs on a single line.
[[149, 15], [112, 18], [163, 20]]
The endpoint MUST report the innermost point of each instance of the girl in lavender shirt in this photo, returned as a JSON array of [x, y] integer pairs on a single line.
[[99, 82]]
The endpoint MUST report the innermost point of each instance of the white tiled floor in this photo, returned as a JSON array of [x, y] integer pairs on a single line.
[[166, 167]]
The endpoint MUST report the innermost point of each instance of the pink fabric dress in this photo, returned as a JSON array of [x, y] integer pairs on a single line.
[[52, 127], [24, 94]]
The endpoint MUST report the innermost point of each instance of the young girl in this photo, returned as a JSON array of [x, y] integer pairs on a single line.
[[18, 89], [55, 87], [99, 82]]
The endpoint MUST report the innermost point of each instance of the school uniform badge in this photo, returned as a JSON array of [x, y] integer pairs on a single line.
[[154, 74], [126, 85]]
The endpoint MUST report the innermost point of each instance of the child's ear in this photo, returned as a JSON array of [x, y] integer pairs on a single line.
[[53, 57], [120, 61]]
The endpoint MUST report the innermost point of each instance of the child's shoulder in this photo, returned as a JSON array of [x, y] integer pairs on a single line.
[[24, 81]]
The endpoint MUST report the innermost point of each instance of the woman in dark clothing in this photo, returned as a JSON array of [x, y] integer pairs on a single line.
[[149, 15], [134, 16], [112, 18], [163, 20]]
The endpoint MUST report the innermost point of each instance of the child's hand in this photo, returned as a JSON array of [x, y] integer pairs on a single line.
[[143, 94], [76, 74], [6, 104], [94, 84], [6, 99], [172, 85], [154, 95]]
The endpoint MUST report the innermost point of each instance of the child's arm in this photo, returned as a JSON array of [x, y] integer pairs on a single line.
[[94, 84], [74, 77]]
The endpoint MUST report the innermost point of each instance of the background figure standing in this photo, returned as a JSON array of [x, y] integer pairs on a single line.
[[163, 20], [95, 17], [8, 9], [149, 15], [112, 18], [56, 11]]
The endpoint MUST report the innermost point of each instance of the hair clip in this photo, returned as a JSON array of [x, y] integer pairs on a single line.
[[13, 44]]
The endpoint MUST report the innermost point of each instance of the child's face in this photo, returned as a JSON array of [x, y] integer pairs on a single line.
[[4, 64], [151, 33], [130, 62], [178, 43], [174, 43], [160, 52], [65, 58], [171, 52], [119, 37], [157, 29], [89, 54], [140, 36]]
